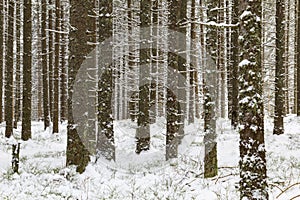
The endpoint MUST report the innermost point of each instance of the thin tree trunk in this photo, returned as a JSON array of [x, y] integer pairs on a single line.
[[50, 58], [63, 75], [17, 110], [27, 59], [211, 95], [1, 60], [9, 68], [56, 69], [234, 66], [45, 67], [280, 69], [298, 61]]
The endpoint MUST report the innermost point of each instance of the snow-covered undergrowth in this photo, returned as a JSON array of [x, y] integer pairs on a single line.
[[43, 174]]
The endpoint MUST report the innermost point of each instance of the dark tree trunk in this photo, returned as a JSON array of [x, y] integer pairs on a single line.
[[143, 131], [77, 153], [56, 69], [9, 71], [63, 75], [279, 69], [253, 172], [27, 62], [105, 143], [45, 67], [210, 98]]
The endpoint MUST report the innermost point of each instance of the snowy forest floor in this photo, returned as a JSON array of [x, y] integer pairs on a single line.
[[43, 175]]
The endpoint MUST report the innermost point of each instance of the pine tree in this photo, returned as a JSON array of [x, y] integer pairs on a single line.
[[9, 66], [298, 61], [45, 67], [105, 143], [143, 131], [1, 60], [210, 97], [56, 68], [27, 64], [81, 22], [17, 109], [280, 69], [253, 176]]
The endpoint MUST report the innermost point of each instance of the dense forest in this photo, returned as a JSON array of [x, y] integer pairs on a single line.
[[175, 76]]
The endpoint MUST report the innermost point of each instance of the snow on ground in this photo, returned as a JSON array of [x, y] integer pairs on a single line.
[[43, 174]]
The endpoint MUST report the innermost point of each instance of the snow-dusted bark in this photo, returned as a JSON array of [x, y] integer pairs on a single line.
[[280, 69], [143, 131], [210, 94], [44, 50], [1, 59], [105, 138], [253, 183], [81, 22], [298, 61]]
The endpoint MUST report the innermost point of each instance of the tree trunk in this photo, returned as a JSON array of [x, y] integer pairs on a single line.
[[63, 72], [143, 131], [17, 110], [27, 64], [298, 61], [9, 71], [50, 58], [1, 60], [210, 94], [234, 65], [253, 176], [81, 20], [279, 69], [105, 143], [45, 67], [56, 69]]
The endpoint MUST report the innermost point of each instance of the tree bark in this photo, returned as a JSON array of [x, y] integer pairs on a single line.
[[279, 69], [9, 71], [27, 64], [298, 62], [56, 69], [45, 67], [80, 21], [1, 60], [143, 131], [253, 184]]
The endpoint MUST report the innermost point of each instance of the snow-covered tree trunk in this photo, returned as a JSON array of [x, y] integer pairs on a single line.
[[253, 176], [298, 61], [280, 69]]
